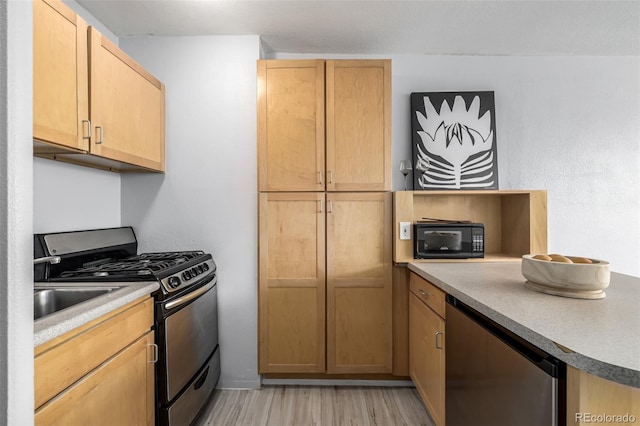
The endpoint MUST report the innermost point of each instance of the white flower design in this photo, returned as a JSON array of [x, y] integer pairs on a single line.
[[461, 138]]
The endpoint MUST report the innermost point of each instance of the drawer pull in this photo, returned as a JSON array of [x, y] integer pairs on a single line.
[[439, 333], [101, 132], [424, 293], [154, 347], [88, 129]]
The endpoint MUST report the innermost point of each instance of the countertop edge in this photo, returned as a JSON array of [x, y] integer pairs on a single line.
[[52, 326], [615, 373]]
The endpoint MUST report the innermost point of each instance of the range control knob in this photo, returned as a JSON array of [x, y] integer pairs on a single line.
[[186, 275], [174, 282], [194, 272], [200, 269], [205, 266]]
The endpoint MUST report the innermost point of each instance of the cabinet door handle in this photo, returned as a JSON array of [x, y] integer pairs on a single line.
[[330, 206], [424, 293], [439, 333], [319, 206], [101, 132], [88, 129], [320, 178], [154, 348], [330, 176]]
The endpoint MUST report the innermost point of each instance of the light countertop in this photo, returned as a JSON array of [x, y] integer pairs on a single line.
[[54, 325], [601, 337]]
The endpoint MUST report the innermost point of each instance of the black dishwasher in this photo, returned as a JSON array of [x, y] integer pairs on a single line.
[[494, 377]]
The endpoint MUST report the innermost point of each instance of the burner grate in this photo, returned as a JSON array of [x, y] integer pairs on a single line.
[[135, 266]]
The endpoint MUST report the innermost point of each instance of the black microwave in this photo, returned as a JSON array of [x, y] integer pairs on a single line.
[[448, 240]]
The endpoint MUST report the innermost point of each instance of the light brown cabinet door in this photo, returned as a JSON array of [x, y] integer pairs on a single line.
[[358, 140], [359, 283], [59, 364], [427, 357], [291, 125], [60, 86], [291, 309], [120, 392], [127, 107]]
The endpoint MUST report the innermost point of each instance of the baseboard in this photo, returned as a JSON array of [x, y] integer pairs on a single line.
[[239, 384], [337, 382]]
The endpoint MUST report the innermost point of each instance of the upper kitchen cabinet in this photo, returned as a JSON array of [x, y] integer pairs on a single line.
[[127, 107], [60, 85], [291, 125], [358, 141], [312, 110], [92, 104]]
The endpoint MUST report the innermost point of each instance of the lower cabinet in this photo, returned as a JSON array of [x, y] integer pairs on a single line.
[[426, 345], [325, 302], [103, 375], [590, 399]]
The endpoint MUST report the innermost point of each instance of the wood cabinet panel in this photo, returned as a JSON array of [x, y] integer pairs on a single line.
[[291, 283], [515, 222], [589, 396], [62, 365], [358, 125], [60, 76], [291, 125], [119, 392], [127, 107], [427, 357], [400, 321], [92, 104], [429, 294], [359, 283], [292, 121], [294, 328], [351, 304]]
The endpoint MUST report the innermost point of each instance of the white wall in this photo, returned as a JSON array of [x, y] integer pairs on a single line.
[[68, 197], [569, 125], [16, 241], [208, 197]]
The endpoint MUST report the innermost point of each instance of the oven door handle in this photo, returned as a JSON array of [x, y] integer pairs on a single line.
[[189, 297]]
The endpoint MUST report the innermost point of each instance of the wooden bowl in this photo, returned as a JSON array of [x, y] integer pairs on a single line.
[[579, 278]]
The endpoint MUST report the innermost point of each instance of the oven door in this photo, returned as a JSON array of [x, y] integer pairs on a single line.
[[187, 336]]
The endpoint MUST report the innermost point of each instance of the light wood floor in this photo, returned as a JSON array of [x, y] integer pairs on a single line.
[[315, 405]]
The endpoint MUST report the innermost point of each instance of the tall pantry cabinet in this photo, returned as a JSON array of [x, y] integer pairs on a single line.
[[324, 176]]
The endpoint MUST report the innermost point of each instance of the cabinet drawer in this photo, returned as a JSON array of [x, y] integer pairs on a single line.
[[65, 363], [118, 392], [428, 293]]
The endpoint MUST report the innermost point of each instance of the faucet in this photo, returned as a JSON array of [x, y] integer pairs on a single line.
[[50, 259]]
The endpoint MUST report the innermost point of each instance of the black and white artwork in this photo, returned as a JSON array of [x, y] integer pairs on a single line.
[[454, 140]]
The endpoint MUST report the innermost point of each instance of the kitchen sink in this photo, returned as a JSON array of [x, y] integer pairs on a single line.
[[47, 301]]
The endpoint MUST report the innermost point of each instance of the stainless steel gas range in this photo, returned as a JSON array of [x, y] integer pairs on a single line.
[[186, 313]]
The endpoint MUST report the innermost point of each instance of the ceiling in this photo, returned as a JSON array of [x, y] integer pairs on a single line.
[[473, 27]]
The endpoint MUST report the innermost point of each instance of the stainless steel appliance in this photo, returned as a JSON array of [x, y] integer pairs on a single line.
[[186, 312], [494, 377], [443, 239]]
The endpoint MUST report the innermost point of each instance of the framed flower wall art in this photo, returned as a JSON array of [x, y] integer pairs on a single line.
[[454, 140]]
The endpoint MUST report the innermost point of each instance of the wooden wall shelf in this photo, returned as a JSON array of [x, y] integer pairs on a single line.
[[515, 221]]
